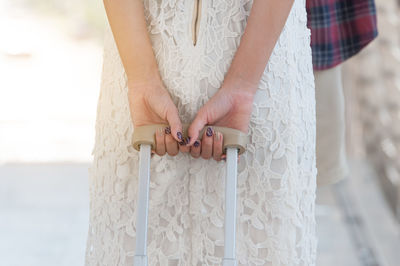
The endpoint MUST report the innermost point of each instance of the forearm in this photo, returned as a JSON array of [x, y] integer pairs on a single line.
[[127, 21], [264, 26]]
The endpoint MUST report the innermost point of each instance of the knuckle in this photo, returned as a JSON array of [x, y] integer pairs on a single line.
[[217, 157], [183, 149], [195, 155], [172, 152], [205, 156], [161, 152], [169, 140], [207, 142]]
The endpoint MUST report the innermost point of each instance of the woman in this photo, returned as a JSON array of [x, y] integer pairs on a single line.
[[242, 64]]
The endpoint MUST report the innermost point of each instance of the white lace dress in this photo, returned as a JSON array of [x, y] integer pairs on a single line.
[[276, 175]]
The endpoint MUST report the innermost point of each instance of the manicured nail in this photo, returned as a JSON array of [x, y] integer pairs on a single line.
[[187, 140], [179, 134], [182, 143], [167, 130], [196, 143], [209, 132]]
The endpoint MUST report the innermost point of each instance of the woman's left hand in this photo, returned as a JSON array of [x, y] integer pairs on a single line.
[[231, 106]]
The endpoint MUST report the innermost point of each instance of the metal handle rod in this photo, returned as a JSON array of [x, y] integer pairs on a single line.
[[230, 207], [140, 258]]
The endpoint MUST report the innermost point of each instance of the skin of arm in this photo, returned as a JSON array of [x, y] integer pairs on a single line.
[[128, 24], [264, 26]]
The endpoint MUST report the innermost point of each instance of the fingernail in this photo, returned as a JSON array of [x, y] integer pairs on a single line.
[[182, 143], [187, 140], [179, 134], [209, 132], [167, 130], [196, 143]]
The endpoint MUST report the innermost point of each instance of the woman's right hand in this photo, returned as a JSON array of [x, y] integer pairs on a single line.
[[151, 103]]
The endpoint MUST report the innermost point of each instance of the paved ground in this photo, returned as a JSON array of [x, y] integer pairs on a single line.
[[355, 223], [43, 214]]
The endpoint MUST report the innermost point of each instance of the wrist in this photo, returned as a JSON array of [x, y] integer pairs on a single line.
[[143, 82], [237, 97], [144, 75], [234, 80], [239, 89]]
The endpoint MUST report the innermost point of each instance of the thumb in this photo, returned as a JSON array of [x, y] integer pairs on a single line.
[[174, 122], [197, 124]]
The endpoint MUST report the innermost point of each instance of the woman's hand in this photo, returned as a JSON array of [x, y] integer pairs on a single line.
[[150, 103], [230, 107]]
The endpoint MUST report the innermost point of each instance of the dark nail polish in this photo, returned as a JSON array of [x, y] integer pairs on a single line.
[[209, 132], [167, 130], [182, 143], [187, 140], [196, 143], [179, 134]]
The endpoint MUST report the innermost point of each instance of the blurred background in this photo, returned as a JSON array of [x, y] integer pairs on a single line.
[[50, 67]]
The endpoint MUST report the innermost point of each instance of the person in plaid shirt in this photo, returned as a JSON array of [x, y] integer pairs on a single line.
[[339, 30]]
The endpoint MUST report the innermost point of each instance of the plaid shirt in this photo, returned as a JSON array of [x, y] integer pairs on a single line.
[[339, 29]]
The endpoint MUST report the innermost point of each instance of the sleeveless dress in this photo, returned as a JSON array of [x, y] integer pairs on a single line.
[[276, 175]]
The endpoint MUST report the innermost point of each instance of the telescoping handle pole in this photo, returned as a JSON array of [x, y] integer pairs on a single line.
[[143, 140], [140, 258], [230, 207]]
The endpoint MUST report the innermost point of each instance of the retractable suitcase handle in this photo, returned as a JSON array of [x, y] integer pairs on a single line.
[[231, 137], [234, 143]]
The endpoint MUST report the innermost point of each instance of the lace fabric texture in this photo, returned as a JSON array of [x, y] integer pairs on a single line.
[[276, 174]]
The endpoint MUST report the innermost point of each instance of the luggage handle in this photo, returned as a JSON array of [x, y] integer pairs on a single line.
[[234, 143], [231, 137]]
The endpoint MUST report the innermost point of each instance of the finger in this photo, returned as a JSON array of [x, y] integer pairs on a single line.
[[160, 142], [175, 123], [197, 124], [217, 146], [195, 149], [207, 143], [170, 143], [182, 145]]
